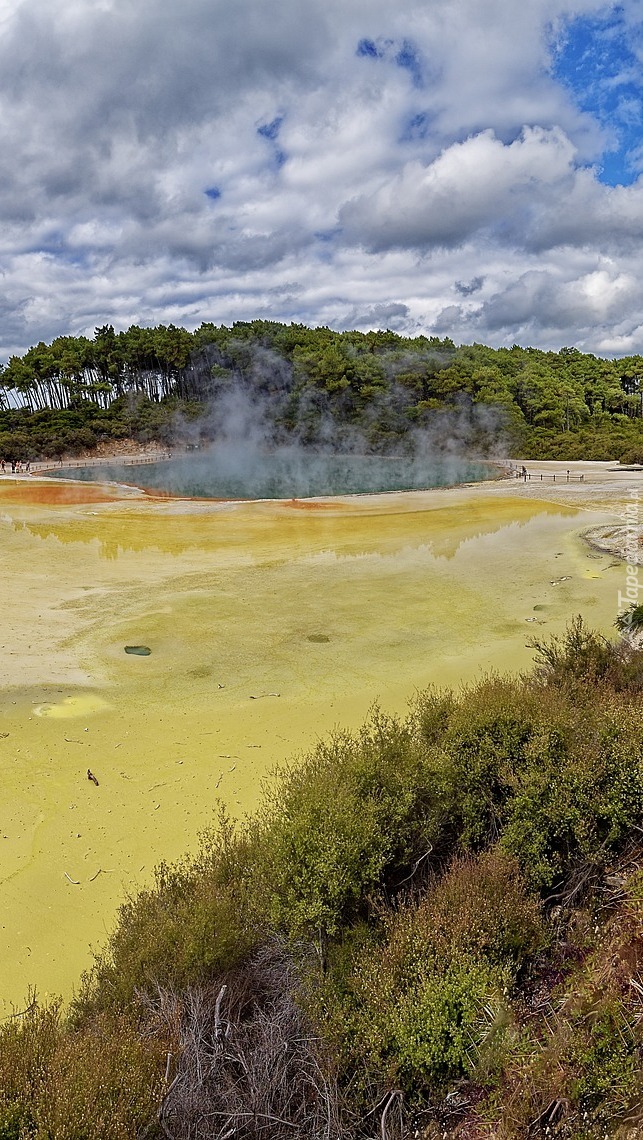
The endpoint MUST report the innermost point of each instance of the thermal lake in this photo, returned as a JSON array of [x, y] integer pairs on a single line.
[[236, 472], [270, 624]]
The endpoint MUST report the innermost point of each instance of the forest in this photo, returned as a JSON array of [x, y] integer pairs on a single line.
[[377, 391], [430, 928]]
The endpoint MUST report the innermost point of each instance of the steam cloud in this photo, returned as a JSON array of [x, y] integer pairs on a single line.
[[267, 435]]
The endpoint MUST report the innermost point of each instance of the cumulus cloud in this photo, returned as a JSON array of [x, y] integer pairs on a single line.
[[393, 315], [602, 296], [418, 167], [472, 186]]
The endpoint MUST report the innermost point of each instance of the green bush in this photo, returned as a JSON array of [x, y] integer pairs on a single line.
[[334, 825], [583, 657], [631, 620], [579, 1075], [428, 1001], [553, 775], [434, 1032], [200, 917], [603, 1056]]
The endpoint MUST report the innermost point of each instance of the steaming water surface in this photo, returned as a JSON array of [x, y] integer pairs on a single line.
[[269, 624], [227, 472]]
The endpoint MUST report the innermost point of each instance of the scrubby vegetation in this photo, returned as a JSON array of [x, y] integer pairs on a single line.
[[631, 620], [316, 386], [432, 928]]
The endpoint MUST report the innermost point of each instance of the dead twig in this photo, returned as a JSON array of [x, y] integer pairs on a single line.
[[392, 1097], [247, 1063]]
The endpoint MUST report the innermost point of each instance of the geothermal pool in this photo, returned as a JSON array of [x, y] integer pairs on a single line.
[[269, 624], [238, 472]]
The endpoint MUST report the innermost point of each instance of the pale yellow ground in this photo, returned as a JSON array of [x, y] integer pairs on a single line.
[[269, 624]]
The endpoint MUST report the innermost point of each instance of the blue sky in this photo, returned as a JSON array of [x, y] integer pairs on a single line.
[[598, 61], [466, 168]]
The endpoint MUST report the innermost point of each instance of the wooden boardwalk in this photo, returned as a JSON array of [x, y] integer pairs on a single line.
[[540, 476]]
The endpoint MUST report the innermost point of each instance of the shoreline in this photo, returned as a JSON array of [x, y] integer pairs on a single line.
[[604, 488], [549, 480], [321, 608], [618, 541]]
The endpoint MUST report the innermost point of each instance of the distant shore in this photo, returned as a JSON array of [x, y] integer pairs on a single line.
[[584, 484], [117, 451]]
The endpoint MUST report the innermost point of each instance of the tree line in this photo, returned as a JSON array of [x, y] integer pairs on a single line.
[[314, 383]]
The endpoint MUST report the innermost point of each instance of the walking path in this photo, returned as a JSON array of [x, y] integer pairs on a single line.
[[127, 459]]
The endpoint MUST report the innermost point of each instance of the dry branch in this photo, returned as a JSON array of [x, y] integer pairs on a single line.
[[249, 1066]]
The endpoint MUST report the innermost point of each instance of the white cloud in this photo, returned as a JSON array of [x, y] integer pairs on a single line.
[[444, 154], [471, 186]]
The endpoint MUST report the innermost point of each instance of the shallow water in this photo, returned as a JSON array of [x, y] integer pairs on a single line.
[[239, 472], [268, 624]]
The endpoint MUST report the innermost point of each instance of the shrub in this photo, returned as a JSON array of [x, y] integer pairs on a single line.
[[580, 1075], [103, 1082], [580, 655], [554, 775], [249, 1060], [482, 906], [631, 619], [579, 794], [199, 918], [423, 1005], [331, 827]]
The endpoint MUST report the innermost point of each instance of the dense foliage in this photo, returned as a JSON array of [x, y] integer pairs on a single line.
[[318, 386], [432, 928]]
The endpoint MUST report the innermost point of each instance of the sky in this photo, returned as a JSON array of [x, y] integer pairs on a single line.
[[461, 168]]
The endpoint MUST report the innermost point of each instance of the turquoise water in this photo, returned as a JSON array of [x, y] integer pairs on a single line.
[[236, 473]]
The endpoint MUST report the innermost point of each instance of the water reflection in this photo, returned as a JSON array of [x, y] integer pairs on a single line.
[[262, 532], [247, 472]]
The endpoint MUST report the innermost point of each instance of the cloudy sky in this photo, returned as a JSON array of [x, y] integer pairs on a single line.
[[468, 168]]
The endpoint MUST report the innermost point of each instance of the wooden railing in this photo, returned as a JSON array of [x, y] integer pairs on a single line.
[[107, 461], [540, 476]]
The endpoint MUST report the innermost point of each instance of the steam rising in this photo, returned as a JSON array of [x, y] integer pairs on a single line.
[[269, 432], [243, 471]]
